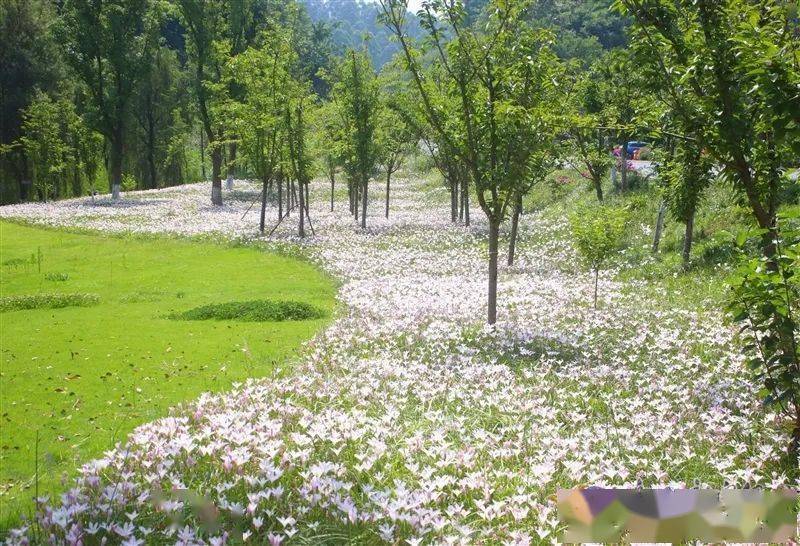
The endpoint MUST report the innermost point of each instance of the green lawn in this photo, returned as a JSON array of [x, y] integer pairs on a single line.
[[81, 378]]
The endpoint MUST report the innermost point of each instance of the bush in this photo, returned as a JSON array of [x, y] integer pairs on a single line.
[[597, 232], [57, 277], [47, 301], [764, 302], [253, 311]]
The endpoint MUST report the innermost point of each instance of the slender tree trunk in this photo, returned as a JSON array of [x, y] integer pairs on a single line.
[[460, 192], [301, 231], [356, 194], [512, 245], [116, 163], [364, 204], [453, 199], [333, 185], [202, 154], [688, 237], [280, 197], [151, 150], [388, 181], [232, 149], [662, 211], [308, 200], [624, 167], [263, 207], [216, 181], [465, 185], [494, 235]]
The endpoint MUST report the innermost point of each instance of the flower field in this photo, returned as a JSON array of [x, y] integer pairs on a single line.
[[408, 421]]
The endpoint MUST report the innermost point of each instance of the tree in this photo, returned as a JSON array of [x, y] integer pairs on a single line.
[[492, 103], [729, 69], [44, 145], [62, 152], [29, 60], [257, 114], [588, 119], [597, 232], [685, 175], [627, 98], [158, 98], [108, 45], [208, 35], [357, 96], [764, 301], [328, 143], [394, 138]]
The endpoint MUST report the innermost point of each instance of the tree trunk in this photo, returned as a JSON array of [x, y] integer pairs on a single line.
[[116, 164], [388, 181], [512, 245], [364, 204], [216, 181], [460, 192], [688, 236], [662, 210], [465, 190], [263, 207], [232, 148], [598, 186], [624, 166], [494, 235], [202, 154], [333, 184], [453, 199], [301, 230], [356, 201], [151, 150], [280, 197], [308, 200]]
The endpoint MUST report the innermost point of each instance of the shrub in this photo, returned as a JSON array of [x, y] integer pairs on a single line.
[[57, 277], [47, 301], [764, 302], [597, 232], [253, 311]]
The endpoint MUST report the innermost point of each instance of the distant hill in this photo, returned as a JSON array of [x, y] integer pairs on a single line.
[[352, 21]]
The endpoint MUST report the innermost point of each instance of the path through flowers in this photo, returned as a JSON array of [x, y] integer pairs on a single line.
[[408, 421]]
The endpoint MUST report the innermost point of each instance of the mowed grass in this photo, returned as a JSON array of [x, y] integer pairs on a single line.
[[80, 378]]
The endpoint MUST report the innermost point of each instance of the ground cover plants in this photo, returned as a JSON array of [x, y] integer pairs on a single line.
[[409, 420]]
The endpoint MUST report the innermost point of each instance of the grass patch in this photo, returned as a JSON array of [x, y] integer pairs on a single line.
[[81, 378], [47, 301], [253, 311]]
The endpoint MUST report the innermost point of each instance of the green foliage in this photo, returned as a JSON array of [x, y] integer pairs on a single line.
[[63, 154], [253, 311], [727, 71], [764, 302], [356, 93], [257, 116], [587, 111], [47, 301], [684, 175], [108, 45], [597, 232]]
